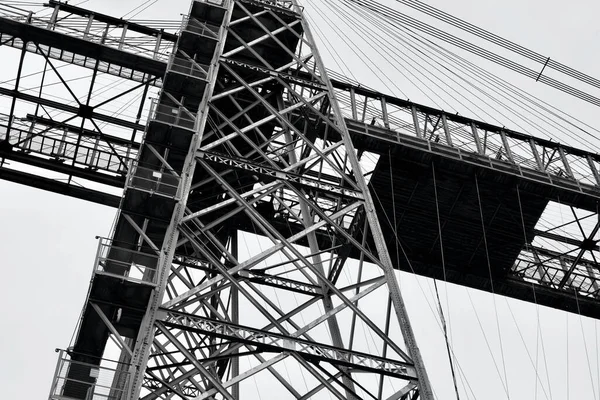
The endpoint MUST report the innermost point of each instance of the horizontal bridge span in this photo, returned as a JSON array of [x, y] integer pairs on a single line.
[[69, 34], [447, 133], [367, 137], [64, 188]]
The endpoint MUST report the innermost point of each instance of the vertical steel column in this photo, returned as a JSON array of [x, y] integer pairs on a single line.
[[11, 115], [123, 36], [53, 18], [386, 121], [235, 318], [353, 104]]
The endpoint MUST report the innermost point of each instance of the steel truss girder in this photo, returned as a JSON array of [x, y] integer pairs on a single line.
[[457, 137], [561, 271], [109, 20], [277, 342], [302, 181], [61, 35], [51, 185], [70, 109], [254, 276]]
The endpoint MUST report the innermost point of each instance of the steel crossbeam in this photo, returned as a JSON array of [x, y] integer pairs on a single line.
[[561, 271], [300, 180], [271, 341]]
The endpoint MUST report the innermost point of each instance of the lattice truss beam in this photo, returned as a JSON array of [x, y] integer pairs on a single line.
[[272, 161], [472, 141], [563, 256], [77, 109]]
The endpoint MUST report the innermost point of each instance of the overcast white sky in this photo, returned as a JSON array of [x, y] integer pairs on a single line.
[[47, 243]]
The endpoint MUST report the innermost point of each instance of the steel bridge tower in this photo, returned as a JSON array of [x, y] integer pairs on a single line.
[[251, 138], [246, 134]]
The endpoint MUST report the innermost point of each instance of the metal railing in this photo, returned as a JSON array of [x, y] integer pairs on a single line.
[[79, 380], [149, 179], [178, 116], [91, 152], [188, 67], [124, 262], [80, 60], [220, 3], [202, 28], [455, 136], [557, 271], [285, 4], [93, 31]]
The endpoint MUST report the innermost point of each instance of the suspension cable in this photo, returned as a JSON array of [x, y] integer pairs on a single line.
[[441, 310]]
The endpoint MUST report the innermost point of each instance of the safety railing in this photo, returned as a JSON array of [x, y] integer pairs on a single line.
[[284, 4], [15, 13], [473, 141], [80, 60], [93, 31], [177, 116], [125, 261], [90, 152], [121, 37], [202, 28], [79, 380], [558, 271], [188, 67], [151, 180], [220, 3]]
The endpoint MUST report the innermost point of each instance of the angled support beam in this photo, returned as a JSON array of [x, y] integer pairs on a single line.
[[393, 286], [579, 256], [189, 356], [565, 162], [506, 146], [67, 108], [594, 170], [477, 139], [112, 329], [400, 394]]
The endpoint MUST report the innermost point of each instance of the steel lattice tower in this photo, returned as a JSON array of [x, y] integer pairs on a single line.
[[247, 135]]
